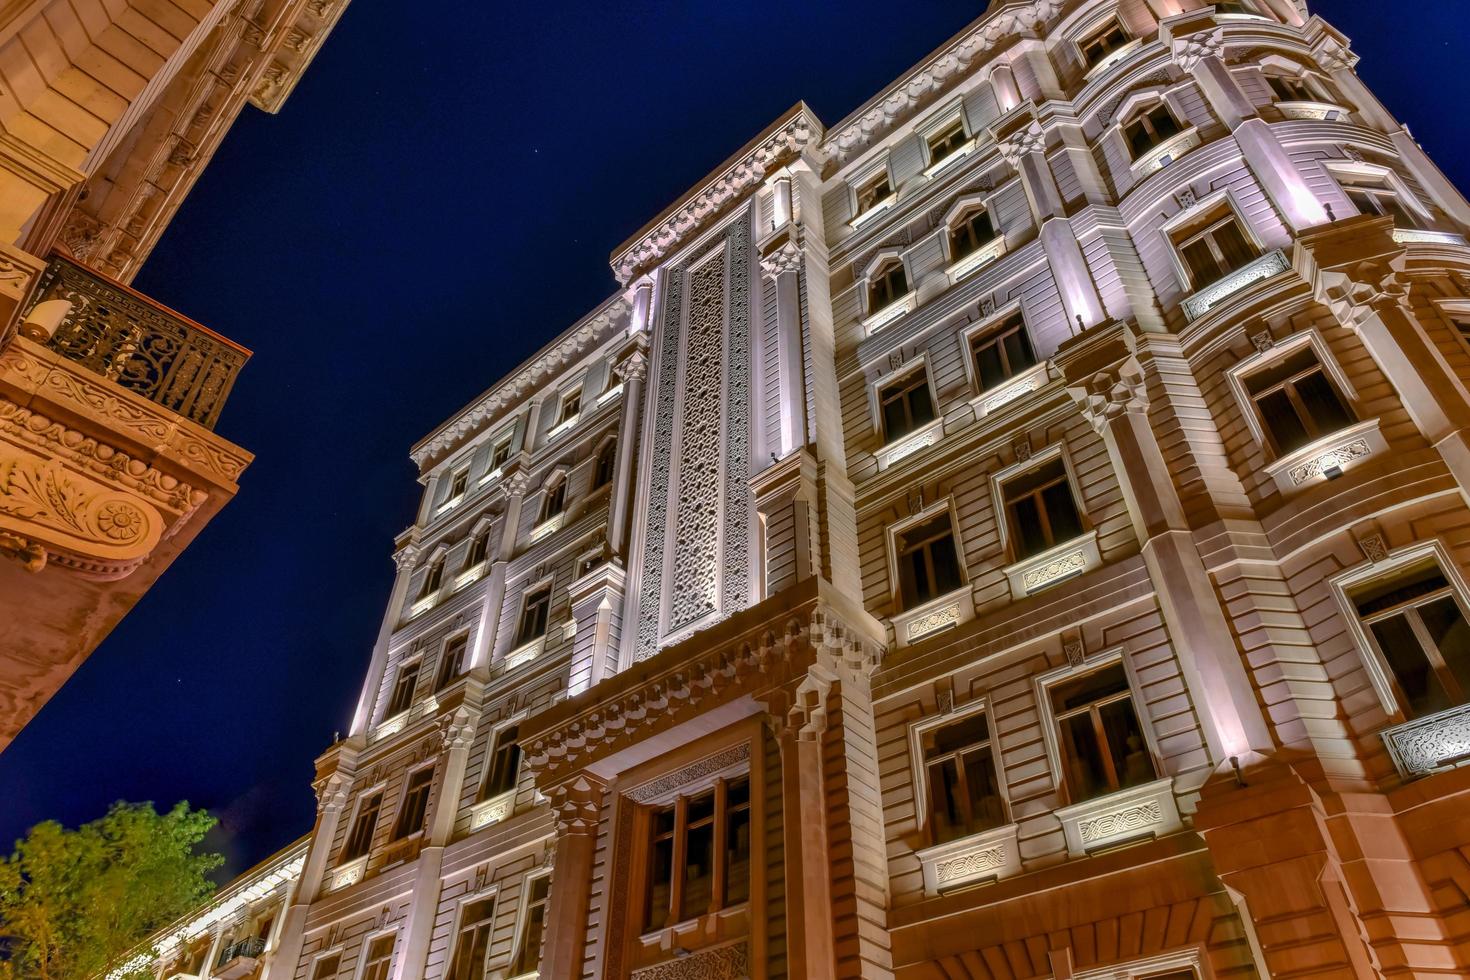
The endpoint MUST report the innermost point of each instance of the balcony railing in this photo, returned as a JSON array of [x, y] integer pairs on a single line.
[[250, 948], [139, 345]]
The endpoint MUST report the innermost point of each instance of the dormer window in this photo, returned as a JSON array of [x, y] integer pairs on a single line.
[[874, 192], [1150, 129], [554, 502], [889, 284], [1103, 43], [1213, 247], [947, 142], [971, 234]]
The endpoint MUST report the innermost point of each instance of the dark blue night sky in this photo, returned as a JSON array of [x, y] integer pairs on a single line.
[[436, 201]]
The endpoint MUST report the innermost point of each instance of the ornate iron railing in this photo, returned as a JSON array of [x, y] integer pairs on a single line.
[[141, 346], [248, 948], [1429, 744]]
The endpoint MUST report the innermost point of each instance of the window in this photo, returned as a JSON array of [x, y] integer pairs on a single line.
[[1418, 629], [554, 502], [606, 460], [970, 235], [1103, 43], [479, 548], [1372, 194], [905, 404], [379, 959], [1288, 88], [1296, 402], [874, 192], [712, 834], [415, 803], [1041, 512], [1102, 743], [1002, 353], [433, 578], [1238, 8], [503, 768], [889, 285], [1150, 129], [1214, 248], [472, 945], [528, 956], [500, 455], [458, 484], [959, 771], [928, 561], [535, 608], [408, 679], [360, 840], [451, 662], [571, 407], [326, 968], [947, 141]]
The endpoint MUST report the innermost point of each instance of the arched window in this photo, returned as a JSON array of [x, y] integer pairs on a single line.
[[606, 461], [889, 284]]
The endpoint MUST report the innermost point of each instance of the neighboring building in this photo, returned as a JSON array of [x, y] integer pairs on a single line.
[[1017, 532], [109, 465]]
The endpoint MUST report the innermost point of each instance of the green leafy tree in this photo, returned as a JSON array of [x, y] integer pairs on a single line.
[[74, 904]]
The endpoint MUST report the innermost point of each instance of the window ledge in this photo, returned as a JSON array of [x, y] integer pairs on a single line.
[[549, 526], [1166, 153], [493, 475], [987, 856], [493, 810], [566, 425], [1142, 812], [389, 727], [610, 394], [404, 849], [898, 308], [945, 612], [1430, 744], [1050, 567], [944, 163], [982, 256], [450, 504], [471, 575], [1325, 111], [347, 874], [1422, 236], [921, 438], [1112, 59], [1267, 266], [872, 212], [525, 653], [1341, 449], [1015, 387]]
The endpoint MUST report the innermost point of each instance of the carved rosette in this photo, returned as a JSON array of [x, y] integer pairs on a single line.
[[1190, 50], [1111, 393]]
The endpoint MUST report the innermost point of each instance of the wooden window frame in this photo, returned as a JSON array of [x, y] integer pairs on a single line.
[[433, 577], [497, 459], [459, 483], [532, 591], [902, 378], [400, 829], [1104, 28], [607, 452], [1144, 118], [862, 202], [992, 334], [1009, 520], [348, 852], [493, 749], [719, 822], [365, 961], [944, 134], [1203, 228], [884, 275], [897, 553], [921, 764], [457, 935], [417, 664], [478, 550], [315, 973], [515, 968], [553, 499], [441, 680], [1052, 727], [965, 223], [1288, 386]]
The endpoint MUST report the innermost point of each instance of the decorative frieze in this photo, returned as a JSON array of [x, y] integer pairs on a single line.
[[986, 856], [890, 313], [1327, 457], [921, 438], [1429, 744], [1141, 811], [1019, 386], [1166, 153], [1267, 266], [1053, 566], [943, 613], [730, 962], [735, 755]]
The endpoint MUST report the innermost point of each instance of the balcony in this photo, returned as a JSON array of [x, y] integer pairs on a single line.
[[1126, 817], [984, 857], [239, 959], [1430, 744], [135, 343], [1266, 267]]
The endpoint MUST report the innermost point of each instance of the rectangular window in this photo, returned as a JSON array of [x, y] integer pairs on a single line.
[[1002, 353], [459, 484], [874, 192], [1296, 401], [1041, 511], [504, 766], [1419, 631], [554, 502], [433, 578], [528, 955], [451, 662], [1289, 89], [607, 459], [360, 841], [472, 945], [699, 858], [1103, 43], [415, 803], [1375, 196], [928, 561], [1150, 129], [1215, 248], [947, 141], [975, 231], [500, 455], [403, 688], [571, 407], [479, 548], [963, 790], [379, 959], [327, 967], [535, 609], [1101, 740], [905, 405], [890, 285]]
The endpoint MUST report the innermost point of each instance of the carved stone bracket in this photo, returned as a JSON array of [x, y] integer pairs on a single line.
[[1359, 290], [331, 792], [1112, 392], [786, 257], [577, 805], [458, 729], [1190, 50], [1015, 146]]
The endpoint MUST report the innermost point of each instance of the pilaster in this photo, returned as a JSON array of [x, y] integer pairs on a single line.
[[577, 808], [632, 372], [332, 790], [597, 602], [786, 500]]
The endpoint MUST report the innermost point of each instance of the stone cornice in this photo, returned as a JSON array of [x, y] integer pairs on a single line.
[[570, 347], [797, 131], [936, 74]]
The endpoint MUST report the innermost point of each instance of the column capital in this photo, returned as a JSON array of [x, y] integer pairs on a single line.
[[517, 483], [331, 792], [1111, 393], [458, 729], [1354, 266], [634, 367], [576, 805], [407, 556], [1017, 144], [1334, 55], [784, 258], [1189, 50]]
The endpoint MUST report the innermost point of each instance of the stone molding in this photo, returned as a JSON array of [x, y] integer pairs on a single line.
[[786, 257], [1112, 392], [729, 962], [724, 759], [577, 805]]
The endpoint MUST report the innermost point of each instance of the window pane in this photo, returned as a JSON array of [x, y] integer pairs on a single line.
[[737, 855], [1061, 510], [1125, 741], [1200, 261], [945, 816], [699, 870], [1405, 587], [921, 406], [1410, 667], [988, 363], [1322, 403], [1448, 631], [1140, 140], [660, 870], [1282, 422], [1233, 245], [1082, 691], [986, 810], [1086, 773], [1018, 351], [1026, 528], [915, 585], [947, 576], [968, 731], [326, 968]]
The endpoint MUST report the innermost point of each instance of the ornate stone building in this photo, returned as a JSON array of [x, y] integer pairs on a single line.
[[1019, 531], [109, 465]]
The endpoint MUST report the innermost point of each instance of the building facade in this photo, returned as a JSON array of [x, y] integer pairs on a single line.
[[1018, 531], [109, 465]]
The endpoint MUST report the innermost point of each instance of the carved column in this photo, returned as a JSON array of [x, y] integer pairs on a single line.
[[1022, 142], [577, 807], [331, 799], [1197, 46], [631, 371], [515, 486], [1356, 270], [456, 732], [1108, 383], [810, 946], [404, 559], [783, 262]]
